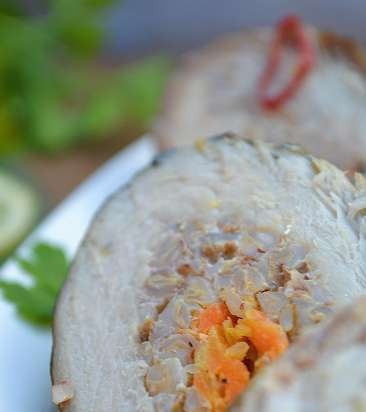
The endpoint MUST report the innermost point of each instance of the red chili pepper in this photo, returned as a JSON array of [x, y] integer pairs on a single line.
[[289, 28]]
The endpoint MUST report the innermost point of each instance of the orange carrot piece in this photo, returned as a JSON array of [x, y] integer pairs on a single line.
[[213, 315], [234, 376], [267, 337], [200, 382], [220, 378], [222, 385], [215, 348]]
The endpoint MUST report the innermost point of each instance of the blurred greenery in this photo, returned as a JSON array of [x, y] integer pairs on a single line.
[[54, 92], [57, 92]]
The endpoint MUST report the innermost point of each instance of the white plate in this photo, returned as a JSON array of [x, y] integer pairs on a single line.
[[24, 350]]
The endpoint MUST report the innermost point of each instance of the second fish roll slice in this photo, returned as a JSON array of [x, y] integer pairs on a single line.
[[218, 89]]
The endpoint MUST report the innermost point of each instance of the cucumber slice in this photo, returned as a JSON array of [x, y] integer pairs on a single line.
[[20, 208]]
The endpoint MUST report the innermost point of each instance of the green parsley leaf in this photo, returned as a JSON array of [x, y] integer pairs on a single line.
[[47, 267]]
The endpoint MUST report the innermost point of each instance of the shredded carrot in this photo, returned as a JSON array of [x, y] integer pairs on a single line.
[[234, 376], [289, 28], [211, 389], [222, 387], [214, 314], [222, 374], [267, 337]]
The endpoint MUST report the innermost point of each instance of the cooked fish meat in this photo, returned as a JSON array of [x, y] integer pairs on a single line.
[[203, 271], [215, 90]]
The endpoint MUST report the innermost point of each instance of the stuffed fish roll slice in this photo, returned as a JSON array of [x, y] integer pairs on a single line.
[[323, 371], [217, 89], [201, 272]]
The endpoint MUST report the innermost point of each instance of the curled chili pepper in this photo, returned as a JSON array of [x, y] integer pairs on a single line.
[[289, 28]]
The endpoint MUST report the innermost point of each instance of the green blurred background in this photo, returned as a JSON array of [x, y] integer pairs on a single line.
[[64, 107]]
